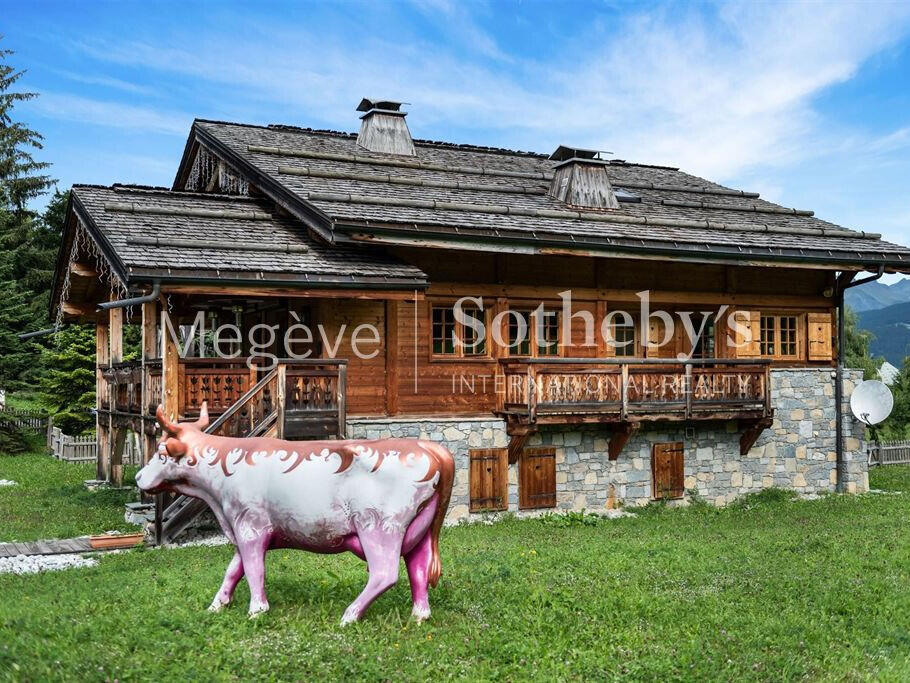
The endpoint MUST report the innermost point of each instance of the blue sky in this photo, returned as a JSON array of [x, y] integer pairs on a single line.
[[807, 103]]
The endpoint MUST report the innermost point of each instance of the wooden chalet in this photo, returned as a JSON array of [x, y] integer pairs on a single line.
[[276, 226]]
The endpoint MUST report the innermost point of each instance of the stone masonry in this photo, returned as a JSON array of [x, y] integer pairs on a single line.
[[796, 453]]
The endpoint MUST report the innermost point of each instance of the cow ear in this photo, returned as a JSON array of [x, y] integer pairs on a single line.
[[203, 420], [175, 448], [168, 426]]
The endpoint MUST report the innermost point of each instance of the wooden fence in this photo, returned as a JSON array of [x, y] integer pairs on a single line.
[[25, 419], [85, 448], [889, 453]]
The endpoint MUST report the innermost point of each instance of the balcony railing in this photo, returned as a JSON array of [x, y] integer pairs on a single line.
[[567, 389]]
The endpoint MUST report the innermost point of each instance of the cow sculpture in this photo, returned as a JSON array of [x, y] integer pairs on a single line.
[[381, 500]]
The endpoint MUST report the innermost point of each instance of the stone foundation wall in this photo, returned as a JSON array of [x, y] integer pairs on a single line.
[[797, 452]]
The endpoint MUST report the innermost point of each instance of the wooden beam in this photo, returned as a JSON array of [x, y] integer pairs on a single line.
[[259, 291], [83, 270], [516, 445], [620, 437], [752, 431], [392, 373], [539, 293], [88, 310]]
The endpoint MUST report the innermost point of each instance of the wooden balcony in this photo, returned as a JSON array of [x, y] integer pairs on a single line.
[[628, 393], [309, 394]]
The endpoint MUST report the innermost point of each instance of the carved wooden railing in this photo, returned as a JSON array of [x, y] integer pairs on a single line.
[[124, 387], [314, 398], [218, 381], [685, 390]]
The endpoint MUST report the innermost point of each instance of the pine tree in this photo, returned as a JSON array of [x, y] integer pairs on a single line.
[[68, 378], [28, 244]]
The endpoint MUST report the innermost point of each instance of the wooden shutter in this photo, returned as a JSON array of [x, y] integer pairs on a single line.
[[667, 470], [489, 479], [537, 478], [747, 347], [820, 328], [656, 331]]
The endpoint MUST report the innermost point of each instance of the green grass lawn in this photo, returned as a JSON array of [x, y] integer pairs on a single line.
[[768, 589], [50, 500]]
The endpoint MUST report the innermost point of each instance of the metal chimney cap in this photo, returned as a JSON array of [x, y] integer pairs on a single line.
[[564, 153], [368, 103]]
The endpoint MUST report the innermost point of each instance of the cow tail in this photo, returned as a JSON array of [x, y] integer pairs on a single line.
[[444, 490]]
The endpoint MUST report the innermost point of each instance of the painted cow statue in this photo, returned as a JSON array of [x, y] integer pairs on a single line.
[[381, 500]]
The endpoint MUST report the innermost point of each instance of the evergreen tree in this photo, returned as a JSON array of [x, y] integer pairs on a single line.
[[68, 378], [28, 243]]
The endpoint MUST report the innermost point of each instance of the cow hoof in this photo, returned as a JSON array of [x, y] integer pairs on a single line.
[[420, 613], [256, 610], [350, 616], [217, 605]]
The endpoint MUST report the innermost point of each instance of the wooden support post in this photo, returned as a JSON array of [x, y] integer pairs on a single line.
[[170, 364], [118, 443], [102, 422], [281, 389], [621, 436], [342, 401], [148, 442], [391, 357], [116, 436]]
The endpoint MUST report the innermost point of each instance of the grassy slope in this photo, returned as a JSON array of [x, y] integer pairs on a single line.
[[51, 502], [768, 589]]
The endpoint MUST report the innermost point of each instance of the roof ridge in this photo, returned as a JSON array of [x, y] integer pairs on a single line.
[[424, 142]]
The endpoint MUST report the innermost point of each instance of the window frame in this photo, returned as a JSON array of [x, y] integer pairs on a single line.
[[776, 328], [459, 350], [535, 349]]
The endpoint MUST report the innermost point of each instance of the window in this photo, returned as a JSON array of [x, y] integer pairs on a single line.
[[533, 342], [520, 333], [704, 345], [667, 471], [489, 479], [778, 336], [444, 329], [537, 478], [624, 337]]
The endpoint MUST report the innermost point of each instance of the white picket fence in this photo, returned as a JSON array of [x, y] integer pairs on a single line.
[[85, 448], [889, 453]]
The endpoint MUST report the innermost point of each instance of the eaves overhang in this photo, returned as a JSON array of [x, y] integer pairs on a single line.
[[538, 241]]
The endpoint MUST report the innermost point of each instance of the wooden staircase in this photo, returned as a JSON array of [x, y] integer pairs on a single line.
[[297, 399]]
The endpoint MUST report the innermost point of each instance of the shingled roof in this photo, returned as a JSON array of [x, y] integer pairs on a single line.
[[491, 198], [157, 233]]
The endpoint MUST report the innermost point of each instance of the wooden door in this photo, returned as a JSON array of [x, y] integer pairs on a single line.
[[488, 479], [667, 471], [537, 478]]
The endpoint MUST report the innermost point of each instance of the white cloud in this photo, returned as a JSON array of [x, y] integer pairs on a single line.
[[108, 114]]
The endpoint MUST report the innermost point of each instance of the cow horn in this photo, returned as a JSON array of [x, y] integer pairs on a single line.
[[166, 424], [203, 420]]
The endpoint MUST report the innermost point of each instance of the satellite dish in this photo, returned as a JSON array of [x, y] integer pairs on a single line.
[[871, 402]]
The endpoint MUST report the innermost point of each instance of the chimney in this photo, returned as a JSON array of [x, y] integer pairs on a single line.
[[580, 179], [383, 129]]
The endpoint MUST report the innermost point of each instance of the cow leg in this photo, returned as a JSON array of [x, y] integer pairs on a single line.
[[252, 555], [418, 563], [232, 577], [383, 552]]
